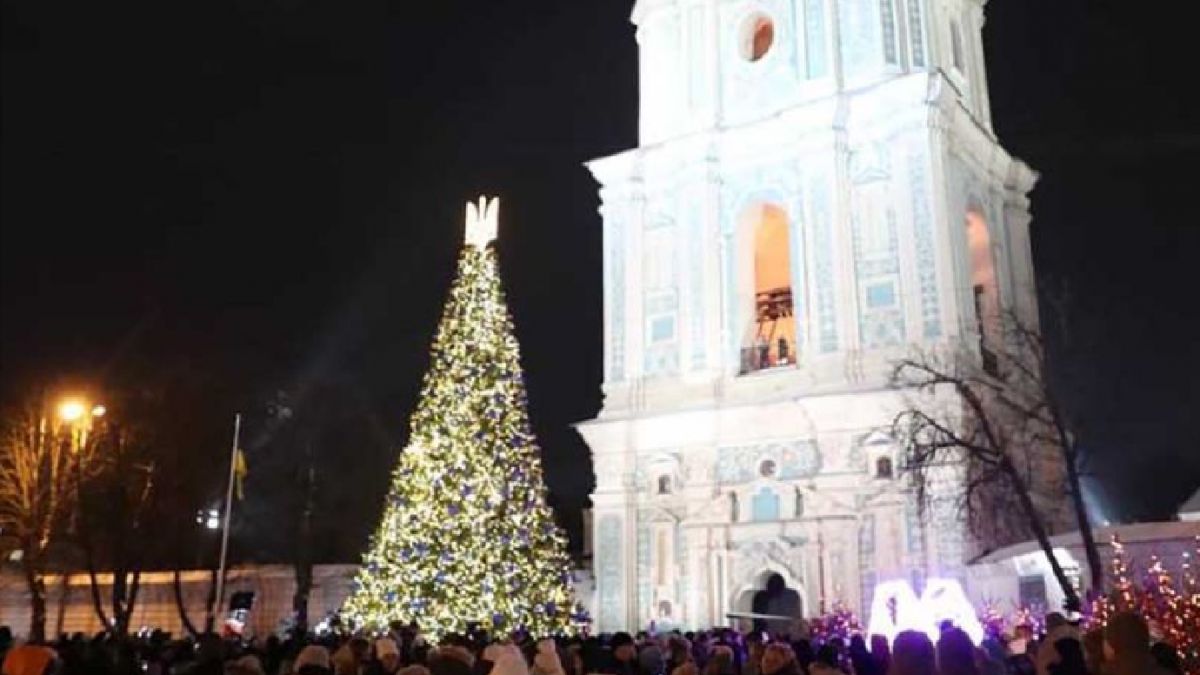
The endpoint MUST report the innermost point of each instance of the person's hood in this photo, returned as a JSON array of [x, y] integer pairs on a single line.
[[546, 662], [28, 660], [312, 655], [510, 662]]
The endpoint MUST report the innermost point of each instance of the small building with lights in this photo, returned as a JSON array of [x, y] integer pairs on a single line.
[[1020, 575]]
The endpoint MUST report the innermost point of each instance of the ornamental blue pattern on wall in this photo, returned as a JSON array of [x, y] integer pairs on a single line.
[[823, 265], [614, 294], [644, 572], [814, 22], [696, 286], [951, 541], [793, 459], [608, 573], [876, 249], [861, 35], [866, 559], [918, 182], [682, 576], [914, 536], [660, 301], [877, 274], [916, 33], [800, 313]]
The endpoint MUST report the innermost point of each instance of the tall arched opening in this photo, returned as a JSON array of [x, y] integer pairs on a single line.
[[770, 595], [766, 288], [985, 291]]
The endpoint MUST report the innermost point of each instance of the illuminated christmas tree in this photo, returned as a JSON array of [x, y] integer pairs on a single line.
[[467, 538]]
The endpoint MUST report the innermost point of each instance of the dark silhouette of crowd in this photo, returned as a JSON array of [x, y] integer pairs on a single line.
[[1123, 647]]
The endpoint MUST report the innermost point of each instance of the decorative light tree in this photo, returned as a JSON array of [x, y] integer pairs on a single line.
[[1170, 604], [467, 538]]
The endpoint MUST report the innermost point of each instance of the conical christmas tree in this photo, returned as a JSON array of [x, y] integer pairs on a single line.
[[467, 537]]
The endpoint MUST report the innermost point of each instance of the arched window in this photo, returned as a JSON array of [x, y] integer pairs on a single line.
[[767, 468], [664, 485], [884, 468], [757, 36], [771, 339], [956, 46], [984, 290]]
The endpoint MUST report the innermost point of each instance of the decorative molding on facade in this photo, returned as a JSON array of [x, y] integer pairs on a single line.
[[793, 459]]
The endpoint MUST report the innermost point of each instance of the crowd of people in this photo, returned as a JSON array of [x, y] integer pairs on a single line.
[[1123, 647]]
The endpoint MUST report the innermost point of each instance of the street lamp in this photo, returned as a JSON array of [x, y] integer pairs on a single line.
[[71, 410]]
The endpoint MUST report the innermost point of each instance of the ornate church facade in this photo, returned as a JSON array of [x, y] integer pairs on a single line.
[[817, 191]]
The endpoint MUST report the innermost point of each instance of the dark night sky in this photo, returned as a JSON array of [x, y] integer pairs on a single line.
[[270, 194]]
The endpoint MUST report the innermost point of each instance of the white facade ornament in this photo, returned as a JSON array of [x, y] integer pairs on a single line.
[[482, 221]]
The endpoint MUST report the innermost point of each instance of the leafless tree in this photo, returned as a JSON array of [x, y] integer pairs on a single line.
[[989, 414], [42, 462], [113, 528]]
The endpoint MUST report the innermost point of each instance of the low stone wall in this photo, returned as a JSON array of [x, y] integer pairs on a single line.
[[70, 608]]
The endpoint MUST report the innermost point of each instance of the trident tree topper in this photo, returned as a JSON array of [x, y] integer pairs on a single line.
[[482, 221]]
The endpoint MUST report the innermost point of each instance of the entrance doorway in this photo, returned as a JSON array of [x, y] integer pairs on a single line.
[[773, 597]]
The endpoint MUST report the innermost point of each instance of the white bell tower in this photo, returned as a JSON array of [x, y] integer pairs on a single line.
[[817, 190]]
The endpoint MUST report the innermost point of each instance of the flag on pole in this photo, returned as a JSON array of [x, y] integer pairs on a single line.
[[240, 469]]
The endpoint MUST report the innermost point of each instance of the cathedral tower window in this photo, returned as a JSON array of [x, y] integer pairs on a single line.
[[984, 291], [664, 485], [757, 36], [770, 341], [956, 47], [884, 468], [767, 468]]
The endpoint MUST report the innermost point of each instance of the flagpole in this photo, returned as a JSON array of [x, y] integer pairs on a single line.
[[220, 596]]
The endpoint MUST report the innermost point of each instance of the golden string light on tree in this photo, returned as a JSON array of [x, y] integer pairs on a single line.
[[1170, 604], [466, 537]]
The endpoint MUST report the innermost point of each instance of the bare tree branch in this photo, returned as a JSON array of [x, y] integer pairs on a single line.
[[1003, 429]]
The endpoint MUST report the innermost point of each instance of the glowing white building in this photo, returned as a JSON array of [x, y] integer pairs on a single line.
[[817, 189]]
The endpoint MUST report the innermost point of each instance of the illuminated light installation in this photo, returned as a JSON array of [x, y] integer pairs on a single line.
[[466, 536], [896, 608]]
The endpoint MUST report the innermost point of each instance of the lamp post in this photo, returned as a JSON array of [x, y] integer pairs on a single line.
[[79, 416]]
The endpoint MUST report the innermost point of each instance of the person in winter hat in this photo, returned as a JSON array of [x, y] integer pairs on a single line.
[[650, 660], [1127, 642], [313, 660], [913, 654], [779, 659], [387, 658], [246, 665], [547, 661], [510, 662], [624, 655]]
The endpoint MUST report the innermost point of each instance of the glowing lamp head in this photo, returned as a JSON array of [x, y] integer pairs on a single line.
[[71, 411], [98, 411]]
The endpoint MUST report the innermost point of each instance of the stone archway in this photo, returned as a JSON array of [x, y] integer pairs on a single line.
[[771, 592]]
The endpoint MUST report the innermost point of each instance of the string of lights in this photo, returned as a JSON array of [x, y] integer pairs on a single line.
[[467, 539]]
